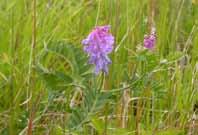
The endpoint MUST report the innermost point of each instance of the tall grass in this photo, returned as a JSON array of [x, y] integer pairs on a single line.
[[46, 86]]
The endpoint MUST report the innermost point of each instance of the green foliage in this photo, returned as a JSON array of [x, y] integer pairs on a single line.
[[78, 69], [52, 84], [93, 103]]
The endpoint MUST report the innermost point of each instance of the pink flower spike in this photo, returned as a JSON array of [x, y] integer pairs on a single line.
[[98, 44], [150, 40]]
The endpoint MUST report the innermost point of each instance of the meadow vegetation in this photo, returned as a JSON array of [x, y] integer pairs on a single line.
[[47, 86]]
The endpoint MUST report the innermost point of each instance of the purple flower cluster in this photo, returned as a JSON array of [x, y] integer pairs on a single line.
[[98, 44], [150, 40]]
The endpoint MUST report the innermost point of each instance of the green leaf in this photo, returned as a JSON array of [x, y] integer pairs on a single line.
[[77, 69], [55, 81], [98, 124], [93, 102], [175, 56]]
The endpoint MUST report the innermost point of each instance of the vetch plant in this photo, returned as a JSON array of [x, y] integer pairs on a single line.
[[98, 44], [52, 87]]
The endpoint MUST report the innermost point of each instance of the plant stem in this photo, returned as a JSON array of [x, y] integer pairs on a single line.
[[151, 14], [31, 74]]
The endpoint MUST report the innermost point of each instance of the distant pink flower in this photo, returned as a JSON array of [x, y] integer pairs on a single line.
[[98, 44], [150, 40]]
